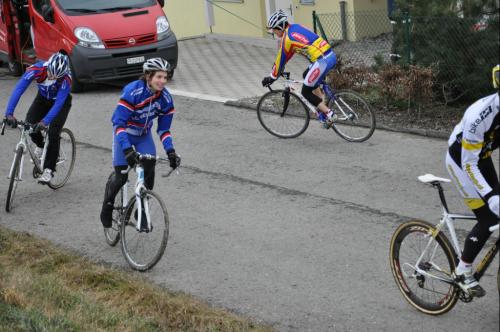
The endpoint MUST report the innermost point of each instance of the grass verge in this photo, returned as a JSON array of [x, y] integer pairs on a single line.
[[43, 288]]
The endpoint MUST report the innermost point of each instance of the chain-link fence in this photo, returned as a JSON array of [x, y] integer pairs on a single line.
[[456, 54]]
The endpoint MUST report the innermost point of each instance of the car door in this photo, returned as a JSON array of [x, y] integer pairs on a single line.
[[44, 33], [4, 37]]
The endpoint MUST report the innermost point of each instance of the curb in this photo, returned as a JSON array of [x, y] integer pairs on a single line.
[[412, 131]]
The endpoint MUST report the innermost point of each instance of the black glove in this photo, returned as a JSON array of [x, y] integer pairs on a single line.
[[268, 81], [174, 159], [10, 120], [39, 127], [131, 156]]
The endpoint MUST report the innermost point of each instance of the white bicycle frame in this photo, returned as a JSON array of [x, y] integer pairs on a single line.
[[23, 143], [447, 219], [139, 189]]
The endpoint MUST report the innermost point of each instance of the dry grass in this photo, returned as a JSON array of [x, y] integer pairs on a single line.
[[44, 289]]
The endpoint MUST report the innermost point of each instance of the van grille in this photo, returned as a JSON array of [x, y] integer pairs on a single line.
[[123, 71], [130, 41]]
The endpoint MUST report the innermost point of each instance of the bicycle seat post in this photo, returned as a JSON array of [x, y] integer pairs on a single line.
[[437, 185]]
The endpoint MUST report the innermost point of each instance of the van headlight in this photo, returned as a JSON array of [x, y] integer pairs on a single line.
[[88, 38], [162, 27]]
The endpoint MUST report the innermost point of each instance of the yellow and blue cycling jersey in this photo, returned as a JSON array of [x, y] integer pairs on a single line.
[[299, 39]]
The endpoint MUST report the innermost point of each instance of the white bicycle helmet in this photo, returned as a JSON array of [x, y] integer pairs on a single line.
[[57, 65], [278, 20], [155, 64]]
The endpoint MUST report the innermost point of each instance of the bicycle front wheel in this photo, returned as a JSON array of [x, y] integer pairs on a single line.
[[13, 179], [66, 160], [428, 286], [355, 118], [112, 234], [143, 249], [283, 114]]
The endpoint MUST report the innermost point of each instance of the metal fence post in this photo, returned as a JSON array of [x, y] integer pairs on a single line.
[[407, 22], [343, 20], [314, 22]]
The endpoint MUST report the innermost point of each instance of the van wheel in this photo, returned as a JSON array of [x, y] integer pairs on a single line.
[[15, 68], [76, 85]]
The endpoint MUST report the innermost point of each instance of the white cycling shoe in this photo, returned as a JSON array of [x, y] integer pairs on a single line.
[[46, 176], [469, 284]]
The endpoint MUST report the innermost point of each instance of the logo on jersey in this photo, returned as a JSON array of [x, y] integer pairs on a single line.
[[323, 43], [482, 116], [300, 37], [314, 75]]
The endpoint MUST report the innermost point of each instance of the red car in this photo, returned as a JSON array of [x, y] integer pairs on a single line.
[[105, 40]]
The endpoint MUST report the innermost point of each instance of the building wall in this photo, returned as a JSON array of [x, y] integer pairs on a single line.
[[254, 11], [183, 25]]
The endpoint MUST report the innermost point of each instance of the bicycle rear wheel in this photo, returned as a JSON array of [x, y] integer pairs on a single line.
[[142, 250], [283, 114], [13, 179], [423, 290], [66, 160], [356, 119], [112, 234]]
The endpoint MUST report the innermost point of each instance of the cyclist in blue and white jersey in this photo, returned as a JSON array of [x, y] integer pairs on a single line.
[[49, 109], [141, 102]]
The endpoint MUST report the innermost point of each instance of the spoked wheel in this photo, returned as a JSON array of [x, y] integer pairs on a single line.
[[66, 160], [112, 234], [14, 179], [283, 114], [143, 249], [356, 119], [423, 289]]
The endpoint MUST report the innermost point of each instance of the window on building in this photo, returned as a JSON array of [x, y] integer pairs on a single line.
[[307, 2]]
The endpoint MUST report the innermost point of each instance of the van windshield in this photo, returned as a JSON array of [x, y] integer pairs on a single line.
[[82, 7]]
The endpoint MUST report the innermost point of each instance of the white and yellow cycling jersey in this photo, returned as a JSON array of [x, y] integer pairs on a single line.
[[470, 146]]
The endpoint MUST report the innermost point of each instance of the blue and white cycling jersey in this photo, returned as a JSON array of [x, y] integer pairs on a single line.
[[136, 110], [56, 90]]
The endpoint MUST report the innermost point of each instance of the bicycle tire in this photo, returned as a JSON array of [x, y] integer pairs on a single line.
[[363, 121], [60, 178], [271, 116], [112, 234], [128, 228], [450, 295], [14, 175]]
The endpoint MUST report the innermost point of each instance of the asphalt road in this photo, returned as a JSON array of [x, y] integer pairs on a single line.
[[294, 233]]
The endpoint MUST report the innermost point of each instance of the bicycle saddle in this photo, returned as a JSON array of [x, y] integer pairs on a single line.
[[429, 178]]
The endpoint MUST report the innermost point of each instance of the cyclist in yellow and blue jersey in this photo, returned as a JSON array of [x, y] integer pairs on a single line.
[[296, 38]]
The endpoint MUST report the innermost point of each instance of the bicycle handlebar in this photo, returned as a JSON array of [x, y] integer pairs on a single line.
[[494, 228], [150, 157]]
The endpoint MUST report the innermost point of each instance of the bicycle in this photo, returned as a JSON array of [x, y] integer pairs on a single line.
[[286, 114], [423, 260], [64, 164], [128, 224]]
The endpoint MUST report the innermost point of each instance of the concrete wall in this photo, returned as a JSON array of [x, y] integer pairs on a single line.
[[252, 11]]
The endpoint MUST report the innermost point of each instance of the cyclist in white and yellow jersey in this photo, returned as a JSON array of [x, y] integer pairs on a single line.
[[472, 169]]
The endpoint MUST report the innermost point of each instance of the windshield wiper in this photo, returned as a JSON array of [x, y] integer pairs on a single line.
[[112, 9], [82, 10]]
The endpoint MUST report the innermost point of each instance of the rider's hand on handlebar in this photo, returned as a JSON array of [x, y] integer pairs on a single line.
[[267, 81], [39, 127], [10, 120], [493, 203], [131, 156], [174, 158]]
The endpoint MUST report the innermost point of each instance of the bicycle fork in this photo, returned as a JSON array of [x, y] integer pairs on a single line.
[[138, 192]]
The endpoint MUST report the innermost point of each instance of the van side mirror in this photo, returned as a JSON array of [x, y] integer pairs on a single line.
[[162, 3], [48, 13]]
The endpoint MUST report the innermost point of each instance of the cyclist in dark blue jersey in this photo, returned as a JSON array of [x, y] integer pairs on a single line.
[[141, 102], [49, 109]]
